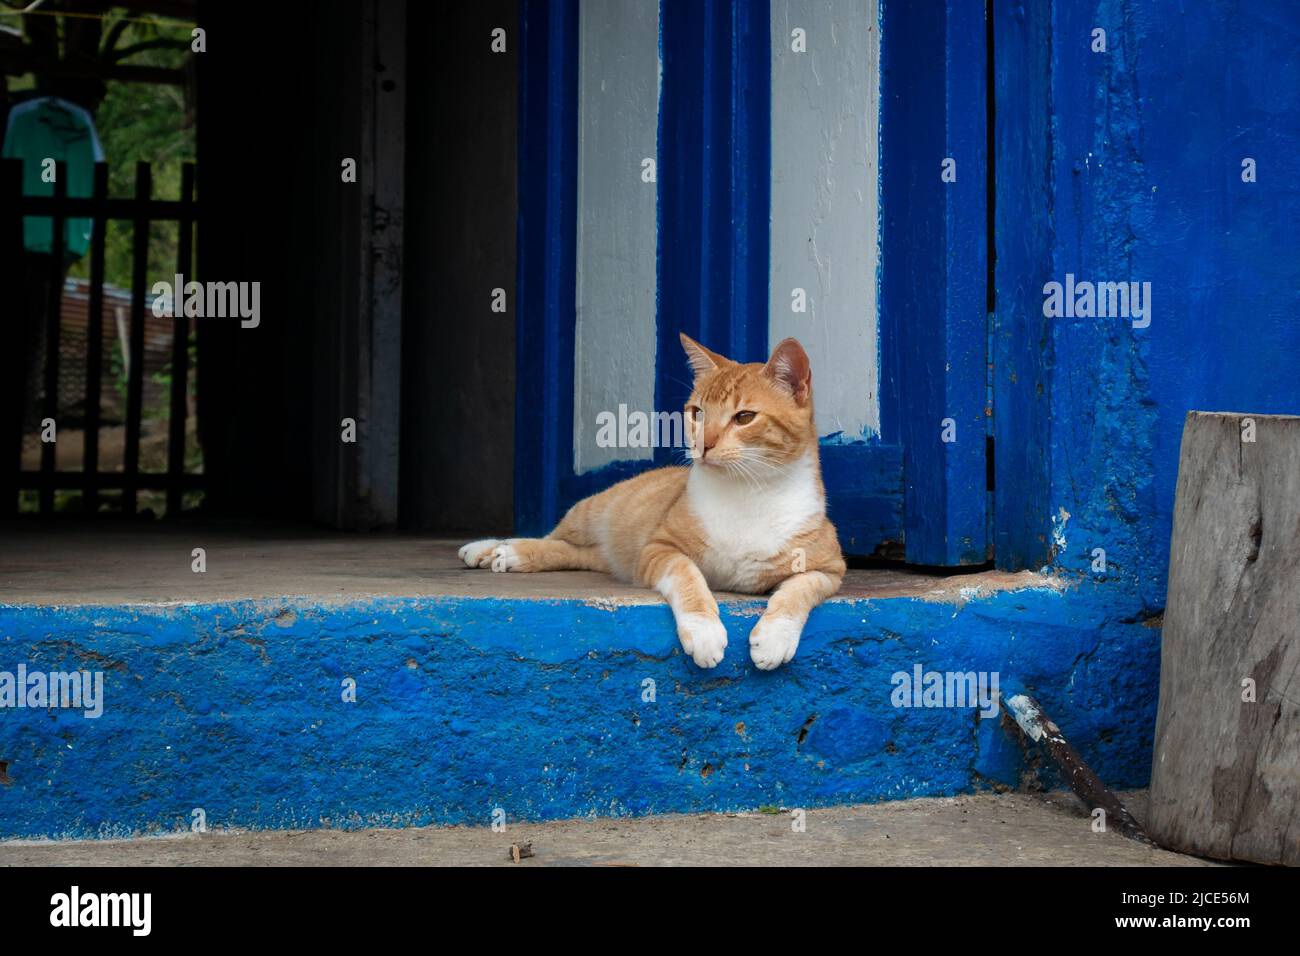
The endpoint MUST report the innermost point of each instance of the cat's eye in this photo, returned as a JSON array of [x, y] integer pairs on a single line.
[[743, 418]]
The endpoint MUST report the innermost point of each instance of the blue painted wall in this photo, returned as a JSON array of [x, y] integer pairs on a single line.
[[1126, 165], [536, 707]]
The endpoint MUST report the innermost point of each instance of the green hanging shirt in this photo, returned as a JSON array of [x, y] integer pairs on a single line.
[[51, 128]]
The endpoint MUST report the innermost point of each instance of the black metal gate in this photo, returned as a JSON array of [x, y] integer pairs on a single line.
[[141, 211]]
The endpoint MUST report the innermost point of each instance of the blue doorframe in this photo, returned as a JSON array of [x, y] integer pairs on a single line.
[[905, 485], [548, 139], [715, 169], [1020, 340], [934, 273]]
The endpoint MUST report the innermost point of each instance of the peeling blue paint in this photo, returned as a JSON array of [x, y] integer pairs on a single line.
[[1125, 166], [465, 705]]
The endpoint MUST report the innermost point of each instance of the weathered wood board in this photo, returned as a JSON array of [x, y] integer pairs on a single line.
[[1225, 780]]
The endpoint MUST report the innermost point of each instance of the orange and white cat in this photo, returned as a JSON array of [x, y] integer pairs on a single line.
[[748, 515]]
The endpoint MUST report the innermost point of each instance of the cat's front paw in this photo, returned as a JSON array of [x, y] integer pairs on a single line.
[[773, 641], [703, 638], [478, 554], [506, 557]]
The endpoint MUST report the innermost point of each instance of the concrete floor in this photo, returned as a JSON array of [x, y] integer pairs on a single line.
[[981, 830], [118, 563]]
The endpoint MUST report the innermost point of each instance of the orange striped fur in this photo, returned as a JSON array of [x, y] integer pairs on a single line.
[[748, 514]]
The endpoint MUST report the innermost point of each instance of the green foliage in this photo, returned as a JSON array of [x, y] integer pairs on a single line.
[[136, 122], [143, 122], [163, 379]]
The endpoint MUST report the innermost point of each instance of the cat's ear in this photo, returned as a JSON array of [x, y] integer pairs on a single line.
[[701, 359], [789, 368]]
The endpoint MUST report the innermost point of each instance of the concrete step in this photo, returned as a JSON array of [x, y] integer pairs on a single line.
[[226, 695], [1010, 829]]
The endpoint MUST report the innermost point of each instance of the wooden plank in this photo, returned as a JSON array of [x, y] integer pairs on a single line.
[[825, 204], [614, 334], [714, 175], [363, 361], [1226, 776], [1021, 202], [94, 344], [380, 372], [135, 344], [180, 351], [934, 275], [548, 140]]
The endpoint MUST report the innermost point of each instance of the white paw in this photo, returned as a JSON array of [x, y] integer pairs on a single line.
[[773, 641], [478, 554], [703, 637], [505, 558]]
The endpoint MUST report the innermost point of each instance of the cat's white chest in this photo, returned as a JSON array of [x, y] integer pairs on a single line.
[[747, 528]]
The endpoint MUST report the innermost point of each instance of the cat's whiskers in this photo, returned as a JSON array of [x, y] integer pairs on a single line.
[[758, 479], [737, 466], [763, 463], [732, 466], [756, 459]]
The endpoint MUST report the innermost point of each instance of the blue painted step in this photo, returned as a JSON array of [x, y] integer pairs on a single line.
[[541, 709]]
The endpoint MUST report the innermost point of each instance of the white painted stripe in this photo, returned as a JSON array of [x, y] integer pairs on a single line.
[[618, 117], [825, 201]]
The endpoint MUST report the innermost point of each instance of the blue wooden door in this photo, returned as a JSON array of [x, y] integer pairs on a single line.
[[742, 171]]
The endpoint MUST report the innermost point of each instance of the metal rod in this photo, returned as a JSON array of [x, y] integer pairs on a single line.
[[53, 322], [1038, 727], [94, 344], [180, 349], [135, 377]]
